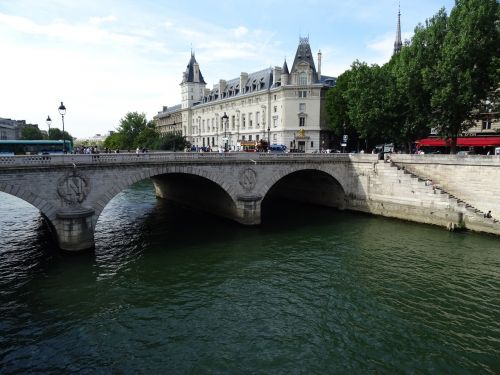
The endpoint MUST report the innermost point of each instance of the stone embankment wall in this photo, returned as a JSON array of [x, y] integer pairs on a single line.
[[475, 179], [446, 191]]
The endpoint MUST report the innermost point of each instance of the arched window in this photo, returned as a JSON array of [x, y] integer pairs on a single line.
[[302, 78]]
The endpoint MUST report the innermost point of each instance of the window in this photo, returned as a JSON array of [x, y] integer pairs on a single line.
[[302, 107], [250, 137], [275, 109], [275, 138], [243, 121], [302, 121], [232, 122], [242, 137], [257, 137], [274, 97], [312, 144], [275, 122], [250, 121], [486, 124], [302, 94], [257, 118], [302, 78]]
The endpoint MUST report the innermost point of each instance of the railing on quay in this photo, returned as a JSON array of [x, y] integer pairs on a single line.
[[174, 157]]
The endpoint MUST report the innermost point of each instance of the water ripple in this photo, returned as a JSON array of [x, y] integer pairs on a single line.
[[312, 291]]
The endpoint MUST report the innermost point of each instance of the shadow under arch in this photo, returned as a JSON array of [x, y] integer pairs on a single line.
[[311, 186], [196, 192]]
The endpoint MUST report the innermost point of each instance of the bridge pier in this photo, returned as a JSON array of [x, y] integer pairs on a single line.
[[248, 209], [74, 229]]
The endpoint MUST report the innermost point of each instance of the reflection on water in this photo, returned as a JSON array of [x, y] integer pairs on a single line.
[[312, 290]]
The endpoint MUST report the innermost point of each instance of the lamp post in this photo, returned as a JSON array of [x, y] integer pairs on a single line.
[[224, 123], [48, 122], [62, 111], [269, 136], [174, 133]]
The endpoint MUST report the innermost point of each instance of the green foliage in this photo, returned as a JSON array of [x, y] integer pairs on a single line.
[[31, 133], [57, 134], [440, 79], [134, 131], [463, 72], [336, 104], [172, 142]]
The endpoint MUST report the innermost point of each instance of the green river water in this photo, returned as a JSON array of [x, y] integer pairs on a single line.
[[311, 291]]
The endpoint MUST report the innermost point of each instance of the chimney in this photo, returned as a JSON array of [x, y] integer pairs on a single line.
[[319, 65], [222, 85], [243, 81]]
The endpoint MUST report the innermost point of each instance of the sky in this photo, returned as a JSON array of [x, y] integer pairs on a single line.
[[108, 57]]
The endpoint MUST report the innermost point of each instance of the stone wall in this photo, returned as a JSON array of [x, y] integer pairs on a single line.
[[474, 179]]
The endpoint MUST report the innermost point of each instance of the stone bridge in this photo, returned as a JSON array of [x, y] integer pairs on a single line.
[[72, 190]]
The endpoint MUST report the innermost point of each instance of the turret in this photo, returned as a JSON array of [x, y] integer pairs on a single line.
[[303, 68], [284, 74], [193, 84]]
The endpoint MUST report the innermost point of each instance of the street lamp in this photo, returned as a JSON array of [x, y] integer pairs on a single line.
[[224, 123], [62, 111], [269, 136], [48, 122]]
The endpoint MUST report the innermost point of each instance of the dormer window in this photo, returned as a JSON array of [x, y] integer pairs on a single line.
[[302, 78]]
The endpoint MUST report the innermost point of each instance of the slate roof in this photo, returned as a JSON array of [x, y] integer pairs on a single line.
[[189, 74], [261, 80], [304, 54]]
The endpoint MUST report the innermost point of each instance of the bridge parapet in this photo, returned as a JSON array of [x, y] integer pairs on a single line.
[[173, 157]]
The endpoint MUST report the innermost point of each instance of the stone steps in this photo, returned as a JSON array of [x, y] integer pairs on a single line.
[[458, 201]]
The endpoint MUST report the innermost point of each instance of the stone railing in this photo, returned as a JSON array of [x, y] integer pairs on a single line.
[[173, 157], [466, 160]]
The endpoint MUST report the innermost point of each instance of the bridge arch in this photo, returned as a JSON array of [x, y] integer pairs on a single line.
[[173, 182], [46, 208], [314, 185]]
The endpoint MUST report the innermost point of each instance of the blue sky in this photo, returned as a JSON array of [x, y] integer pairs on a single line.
[[106, 58]]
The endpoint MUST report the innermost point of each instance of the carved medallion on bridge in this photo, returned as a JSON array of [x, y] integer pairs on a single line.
[[73, 188], [248, 178]]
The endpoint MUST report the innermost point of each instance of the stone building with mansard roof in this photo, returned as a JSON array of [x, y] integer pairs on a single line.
[[275, 104]]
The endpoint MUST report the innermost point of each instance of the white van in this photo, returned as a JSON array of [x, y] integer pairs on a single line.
[[497, 150]]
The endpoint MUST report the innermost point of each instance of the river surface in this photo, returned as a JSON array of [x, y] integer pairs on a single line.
[[312, 291]]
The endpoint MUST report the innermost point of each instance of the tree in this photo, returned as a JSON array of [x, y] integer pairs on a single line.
[[57, 134], [130, 127], [411, 69], [370, 111], [31, 133], [337, 106], [464, 72], [148, 137], [115, 141], [172, 141]]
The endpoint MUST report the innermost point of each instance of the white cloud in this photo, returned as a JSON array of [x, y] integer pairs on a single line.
[[99, 20], [240, 31]]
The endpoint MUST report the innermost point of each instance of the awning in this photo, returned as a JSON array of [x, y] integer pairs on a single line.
[[461, 142]]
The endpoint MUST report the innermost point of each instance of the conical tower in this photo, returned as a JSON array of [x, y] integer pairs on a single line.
[[303, 65], [398, 44], [193, 84]]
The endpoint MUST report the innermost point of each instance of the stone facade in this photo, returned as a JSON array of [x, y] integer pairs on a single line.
[[72, 190], [274, 104], [11, 129]]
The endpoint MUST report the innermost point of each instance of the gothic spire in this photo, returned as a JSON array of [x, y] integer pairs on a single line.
[[398, 44]]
